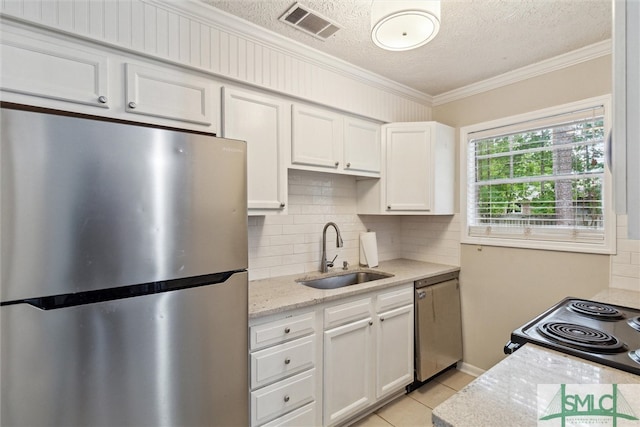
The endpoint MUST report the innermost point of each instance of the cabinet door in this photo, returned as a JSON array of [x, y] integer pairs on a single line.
[[317, 137], [56, 72], [348, 370], [361, 145], [263, 122], [169, 94], [408, 168], [394, 350]]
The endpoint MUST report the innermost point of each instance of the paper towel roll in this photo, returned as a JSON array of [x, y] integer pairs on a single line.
[[368, 249]]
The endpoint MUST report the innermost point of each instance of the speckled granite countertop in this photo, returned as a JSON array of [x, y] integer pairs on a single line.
[[270, 296], [506, 394]]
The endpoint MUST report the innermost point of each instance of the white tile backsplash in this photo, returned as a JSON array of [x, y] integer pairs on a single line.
[[625, 265], [292, 244]]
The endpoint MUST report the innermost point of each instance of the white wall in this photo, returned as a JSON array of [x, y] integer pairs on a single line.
[[292, 244]]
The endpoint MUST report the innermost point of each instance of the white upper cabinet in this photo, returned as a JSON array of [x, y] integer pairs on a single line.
[[69, 75], [326, 141], [59, 75], [263, 122], [361, 145], [169, 94], [408, 160], [418, 175], [317, 136]]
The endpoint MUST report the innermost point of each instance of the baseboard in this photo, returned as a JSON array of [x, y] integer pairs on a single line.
[[470, 369]]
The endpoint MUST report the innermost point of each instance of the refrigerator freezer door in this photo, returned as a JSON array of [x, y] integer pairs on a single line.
[[89, 204], [176, 358]]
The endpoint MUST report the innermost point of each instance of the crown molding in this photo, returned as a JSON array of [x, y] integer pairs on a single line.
[[559, 62], [207, 14]]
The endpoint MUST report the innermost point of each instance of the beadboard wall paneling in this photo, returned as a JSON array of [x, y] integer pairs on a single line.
[[292, 244], [193, 34]]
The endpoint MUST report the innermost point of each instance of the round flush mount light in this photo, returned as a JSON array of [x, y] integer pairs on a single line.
[[404, 25]]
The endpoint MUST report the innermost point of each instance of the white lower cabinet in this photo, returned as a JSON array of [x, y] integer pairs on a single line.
[[365, 356], [348, 363], [282, 397], [284, 379], [394, 350]]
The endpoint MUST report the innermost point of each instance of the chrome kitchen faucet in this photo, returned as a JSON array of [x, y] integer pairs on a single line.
[[324, 264]]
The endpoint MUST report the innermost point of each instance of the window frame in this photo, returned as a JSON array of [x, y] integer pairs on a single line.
[[605, 246]]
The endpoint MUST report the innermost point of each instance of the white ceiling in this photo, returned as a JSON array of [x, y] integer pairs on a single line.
[[478, 39]]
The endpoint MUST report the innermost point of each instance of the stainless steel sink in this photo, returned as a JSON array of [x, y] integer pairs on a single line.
[[344, 279]]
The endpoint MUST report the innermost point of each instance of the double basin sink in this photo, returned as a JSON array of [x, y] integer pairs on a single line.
[[344, 279]]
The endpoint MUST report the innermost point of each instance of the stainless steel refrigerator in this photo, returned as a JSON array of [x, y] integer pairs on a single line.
[[123, 268]]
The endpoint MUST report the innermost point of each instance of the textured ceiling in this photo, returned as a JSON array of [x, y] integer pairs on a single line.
[[478, 39]]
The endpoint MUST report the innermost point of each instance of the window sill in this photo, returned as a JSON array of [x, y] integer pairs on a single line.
[[605, 247]]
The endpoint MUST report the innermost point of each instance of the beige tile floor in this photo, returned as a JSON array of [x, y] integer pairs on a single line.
[[414, 409]]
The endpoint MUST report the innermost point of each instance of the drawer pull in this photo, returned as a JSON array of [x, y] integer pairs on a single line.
[[287, 330], [370, 323], [286, 398], [287, 361]]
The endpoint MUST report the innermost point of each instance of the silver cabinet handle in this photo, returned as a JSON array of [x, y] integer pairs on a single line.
[[132, 105], [102, 99], [287, 330], [422, 294], [286, 398], [287, 361], [348, 165], [337, 163], [282, 205]]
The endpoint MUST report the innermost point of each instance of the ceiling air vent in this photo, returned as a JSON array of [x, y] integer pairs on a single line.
[[309, 21]]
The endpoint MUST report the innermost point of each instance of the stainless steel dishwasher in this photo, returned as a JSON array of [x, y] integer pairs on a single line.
[[438, 326]]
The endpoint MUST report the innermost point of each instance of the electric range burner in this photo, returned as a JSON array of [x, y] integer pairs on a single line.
[[635, 323], [603, 333], [581, 337], [596, 309]]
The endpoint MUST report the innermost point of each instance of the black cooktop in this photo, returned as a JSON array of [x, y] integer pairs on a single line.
[[604, 333]]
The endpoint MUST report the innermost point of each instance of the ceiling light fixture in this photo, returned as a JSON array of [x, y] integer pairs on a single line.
[[404, 25]]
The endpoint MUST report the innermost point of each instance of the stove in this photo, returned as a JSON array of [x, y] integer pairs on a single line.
[[603, 333]]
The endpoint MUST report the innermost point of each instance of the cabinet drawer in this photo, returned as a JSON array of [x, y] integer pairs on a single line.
[[277, 399], [394, 299], [274, 363], [282, 330], [305, 416], [348, 312]]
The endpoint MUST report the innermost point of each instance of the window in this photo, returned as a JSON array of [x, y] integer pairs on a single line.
[[540, 180]]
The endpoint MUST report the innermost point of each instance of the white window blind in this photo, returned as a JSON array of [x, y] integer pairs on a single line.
[[541, 179]]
